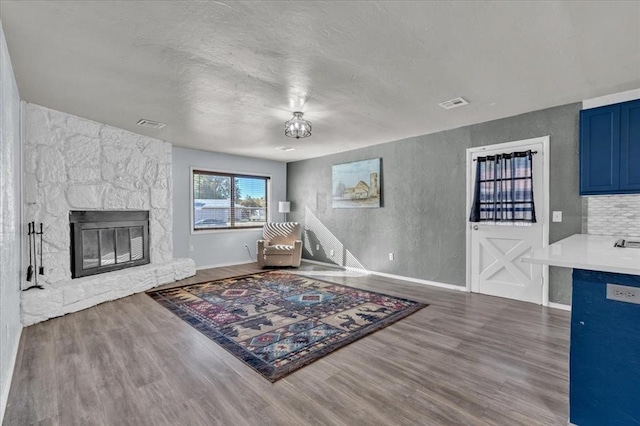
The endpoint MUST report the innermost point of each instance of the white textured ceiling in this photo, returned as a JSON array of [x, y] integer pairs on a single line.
[[225, 76]]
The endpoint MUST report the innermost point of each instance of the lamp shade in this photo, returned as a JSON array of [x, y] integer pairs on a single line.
[[284, 207]]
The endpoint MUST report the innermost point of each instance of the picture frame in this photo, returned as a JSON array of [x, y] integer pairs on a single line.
[[356, 184]]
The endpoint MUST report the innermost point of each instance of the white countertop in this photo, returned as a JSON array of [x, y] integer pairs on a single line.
[[592, 252]]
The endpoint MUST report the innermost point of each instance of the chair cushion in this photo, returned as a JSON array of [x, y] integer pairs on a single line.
[[285, 233], [279, 249]]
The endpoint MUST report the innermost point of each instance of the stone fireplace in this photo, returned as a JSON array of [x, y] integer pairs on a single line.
[[74, 165]]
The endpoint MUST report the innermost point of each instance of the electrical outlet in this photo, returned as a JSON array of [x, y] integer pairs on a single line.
[[557, 216], [317, 246], [191, 248], [623, 293], [391, 256], [332, 253]]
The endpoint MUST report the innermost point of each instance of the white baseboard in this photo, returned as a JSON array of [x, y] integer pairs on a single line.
[[328, 265], [560, 306], [419, 281], [4, 396], [396, 277], [222, 265], [393, 276]]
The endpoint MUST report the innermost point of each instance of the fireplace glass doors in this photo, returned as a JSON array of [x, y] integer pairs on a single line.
[[103, 241]]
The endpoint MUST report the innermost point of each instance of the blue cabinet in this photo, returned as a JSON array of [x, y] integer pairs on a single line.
[[630, 146], [610, 149], [604, 383]]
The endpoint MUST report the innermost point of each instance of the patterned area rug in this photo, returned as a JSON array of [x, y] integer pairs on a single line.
[[278, 322]]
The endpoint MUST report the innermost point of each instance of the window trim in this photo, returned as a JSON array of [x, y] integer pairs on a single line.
[[232, 174]]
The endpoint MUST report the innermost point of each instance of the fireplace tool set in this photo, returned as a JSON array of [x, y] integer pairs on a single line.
[[33, 256]]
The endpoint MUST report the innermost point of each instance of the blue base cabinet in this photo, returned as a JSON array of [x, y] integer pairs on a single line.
[[605, 352], [610, 149]]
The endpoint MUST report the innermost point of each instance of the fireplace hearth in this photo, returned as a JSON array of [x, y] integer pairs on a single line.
[[108, 240]]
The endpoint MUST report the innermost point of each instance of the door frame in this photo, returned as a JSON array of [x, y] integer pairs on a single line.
[[543, 152]]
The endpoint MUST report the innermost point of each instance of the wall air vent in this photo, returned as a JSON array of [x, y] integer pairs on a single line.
[[453, 103], [150, 123]]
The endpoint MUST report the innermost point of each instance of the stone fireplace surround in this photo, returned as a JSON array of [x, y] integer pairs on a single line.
[[78, 164]]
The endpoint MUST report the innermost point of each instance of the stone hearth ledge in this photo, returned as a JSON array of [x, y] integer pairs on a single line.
[[74, 295]]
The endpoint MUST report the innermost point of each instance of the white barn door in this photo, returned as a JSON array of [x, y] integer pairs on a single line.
[[495, 266]]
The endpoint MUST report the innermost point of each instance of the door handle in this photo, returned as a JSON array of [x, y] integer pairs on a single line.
[[475, 227]]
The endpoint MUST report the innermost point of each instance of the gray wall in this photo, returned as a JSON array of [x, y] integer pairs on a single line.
[[224, 247], [10, 222], [424, 189]]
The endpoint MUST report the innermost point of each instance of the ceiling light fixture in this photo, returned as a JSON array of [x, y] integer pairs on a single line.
[[297, 127], [285, 148]]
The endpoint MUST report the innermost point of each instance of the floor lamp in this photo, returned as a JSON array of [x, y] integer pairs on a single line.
[[284, 207]]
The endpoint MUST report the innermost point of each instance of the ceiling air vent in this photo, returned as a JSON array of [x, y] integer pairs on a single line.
[[453, 103], [150, 123]]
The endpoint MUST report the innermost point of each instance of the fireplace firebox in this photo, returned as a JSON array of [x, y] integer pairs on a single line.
[[106, 240]]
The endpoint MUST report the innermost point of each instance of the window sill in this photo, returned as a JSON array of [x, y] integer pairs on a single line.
[[224, 230]]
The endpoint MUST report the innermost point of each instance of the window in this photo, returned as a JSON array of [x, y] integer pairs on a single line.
[[225, 201], [504, 189]]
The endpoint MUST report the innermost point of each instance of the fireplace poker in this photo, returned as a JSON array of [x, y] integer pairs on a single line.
[[30, 268], [41, 270], [32, 244]]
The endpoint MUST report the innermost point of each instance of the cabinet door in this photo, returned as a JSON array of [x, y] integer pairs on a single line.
[[600, 150], [603, 359], [630, 146]]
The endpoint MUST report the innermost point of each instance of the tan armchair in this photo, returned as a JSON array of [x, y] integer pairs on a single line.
[[281, 245]]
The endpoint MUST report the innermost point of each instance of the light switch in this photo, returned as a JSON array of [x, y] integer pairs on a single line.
[[557, 216]]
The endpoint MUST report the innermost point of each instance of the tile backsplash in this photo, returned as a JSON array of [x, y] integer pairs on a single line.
[[613, 215]]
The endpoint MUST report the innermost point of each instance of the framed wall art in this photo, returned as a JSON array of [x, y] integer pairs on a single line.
[[356, 184]]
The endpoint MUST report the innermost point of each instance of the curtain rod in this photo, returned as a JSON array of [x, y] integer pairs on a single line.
[[532, 153]]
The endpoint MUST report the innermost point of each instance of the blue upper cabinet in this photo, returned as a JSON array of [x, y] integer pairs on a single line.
[[600, 150], [630, 146], [610, 149]]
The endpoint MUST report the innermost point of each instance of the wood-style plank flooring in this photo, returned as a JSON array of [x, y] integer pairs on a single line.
[[466, 359]]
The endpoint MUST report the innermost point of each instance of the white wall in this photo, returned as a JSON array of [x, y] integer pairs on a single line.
[[224, 247], [10, 226]]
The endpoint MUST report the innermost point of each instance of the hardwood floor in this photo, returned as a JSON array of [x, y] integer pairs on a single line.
[[466, 359]]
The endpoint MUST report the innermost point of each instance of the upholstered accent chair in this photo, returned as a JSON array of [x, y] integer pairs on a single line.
[[281, 245]]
